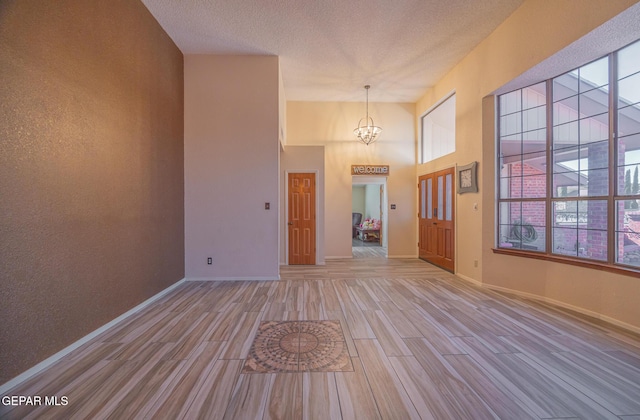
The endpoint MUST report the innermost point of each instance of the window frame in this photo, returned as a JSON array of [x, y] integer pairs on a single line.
[[613, 196]]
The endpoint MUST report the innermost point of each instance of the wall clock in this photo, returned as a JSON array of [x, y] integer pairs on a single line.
[[467, 178]]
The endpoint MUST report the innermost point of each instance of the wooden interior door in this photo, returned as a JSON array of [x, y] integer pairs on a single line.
[[302, 218], [436, 218]]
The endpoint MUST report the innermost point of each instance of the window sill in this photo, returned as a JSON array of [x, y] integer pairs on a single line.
[[626, 271]]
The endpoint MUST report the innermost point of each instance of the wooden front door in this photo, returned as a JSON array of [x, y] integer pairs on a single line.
[[302, 218], [436, 218]]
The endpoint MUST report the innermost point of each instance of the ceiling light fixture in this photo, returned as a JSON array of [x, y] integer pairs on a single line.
[[368, 132]]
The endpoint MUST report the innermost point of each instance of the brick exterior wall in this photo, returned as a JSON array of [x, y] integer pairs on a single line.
[[596, 240], [527, 182]]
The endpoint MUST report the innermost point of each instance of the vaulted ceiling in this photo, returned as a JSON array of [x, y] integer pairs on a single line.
[[329, 49]]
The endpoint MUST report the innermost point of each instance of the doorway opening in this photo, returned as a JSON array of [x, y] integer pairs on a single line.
[[369, 219]]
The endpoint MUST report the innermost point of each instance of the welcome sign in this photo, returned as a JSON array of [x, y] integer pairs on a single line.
[[382, 170]]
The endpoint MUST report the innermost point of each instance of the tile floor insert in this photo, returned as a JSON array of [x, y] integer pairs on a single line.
[[297, 346]]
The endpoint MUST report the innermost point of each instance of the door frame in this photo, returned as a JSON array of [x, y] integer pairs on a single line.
[[286, 210], [454, 205], [384, 202]]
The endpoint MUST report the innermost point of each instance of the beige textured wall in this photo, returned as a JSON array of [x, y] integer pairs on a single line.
[[91, 170], [231, 167], [331, 124], [542, 35]]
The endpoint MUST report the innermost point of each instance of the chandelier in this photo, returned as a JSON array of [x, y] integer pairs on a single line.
[[367, 132]]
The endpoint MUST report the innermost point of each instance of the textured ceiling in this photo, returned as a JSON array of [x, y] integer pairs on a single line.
[[330, 49]]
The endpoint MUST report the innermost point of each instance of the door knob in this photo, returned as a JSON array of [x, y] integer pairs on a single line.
[[290, 223]]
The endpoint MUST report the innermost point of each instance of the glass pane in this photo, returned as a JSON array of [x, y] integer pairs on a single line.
[[565, 227], [423, 201], [534, 96], [594, 75], [629, 90], [565, 86], [581, 171], [594, 129], [535, 141], [511, 145], [594, 102], [566, 110], [595, 155], [566, 134], [504, 188], [596, 230], [594, 183], [534, 186], [522, 225], [628, 182], [513, 187], [524, 179], [596, 215], [628, 232], [429, 198], [566, 184], [629, 146], [539, 157], [629, 60], [532, 225], [510, 124], [440, 197], [580, 229], [510, 102], [449, 196], [534, 119], [438, 130], [566, 176], [507, 213], [565, 241]]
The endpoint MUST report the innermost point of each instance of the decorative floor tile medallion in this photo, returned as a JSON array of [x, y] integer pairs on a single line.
[[296, 346]]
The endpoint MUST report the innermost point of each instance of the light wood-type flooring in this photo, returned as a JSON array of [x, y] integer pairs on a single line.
[[367, 250], [423, 344]]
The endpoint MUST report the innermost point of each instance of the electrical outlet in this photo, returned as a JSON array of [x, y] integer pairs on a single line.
[[209, 260], [475, 263]]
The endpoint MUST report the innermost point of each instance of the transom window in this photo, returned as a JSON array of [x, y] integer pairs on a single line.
[[568, 162], [438, 130]]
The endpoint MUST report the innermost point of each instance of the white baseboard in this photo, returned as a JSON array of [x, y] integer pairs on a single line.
[[414, 256], [553, 302], [348, 257], [565, 305], [470, 280], [245, 278], [59, 355]]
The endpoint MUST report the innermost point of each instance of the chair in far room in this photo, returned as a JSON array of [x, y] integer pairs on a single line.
[[356, 219]]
